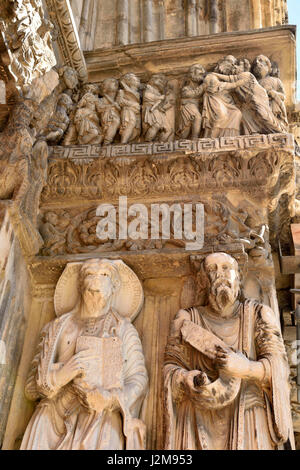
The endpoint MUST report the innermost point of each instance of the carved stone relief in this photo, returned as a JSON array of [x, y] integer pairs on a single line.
[[226, 102], [89, 370], [27, 36], [66, 231]]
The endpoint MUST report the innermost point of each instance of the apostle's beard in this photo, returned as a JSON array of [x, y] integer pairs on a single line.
[[222, 294]]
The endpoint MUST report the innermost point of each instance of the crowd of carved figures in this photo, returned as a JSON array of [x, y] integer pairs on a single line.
[[236, 98]]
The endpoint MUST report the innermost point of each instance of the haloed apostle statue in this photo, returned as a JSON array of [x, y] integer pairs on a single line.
[[89, 373]]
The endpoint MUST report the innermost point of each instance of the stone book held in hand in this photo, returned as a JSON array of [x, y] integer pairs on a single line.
[[106, 370]]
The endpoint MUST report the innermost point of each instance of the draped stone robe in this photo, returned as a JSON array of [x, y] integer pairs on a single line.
[[61, 420], [258, 117], [259, 417]]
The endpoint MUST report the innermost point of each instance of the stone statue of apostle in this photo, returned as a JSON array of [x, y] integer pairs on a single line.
[[89, 372], [226, 371]]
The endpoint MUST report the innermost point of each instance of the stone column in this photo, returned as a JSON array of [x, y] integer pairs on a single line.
[[14, 307], [41, 312], [161, 20], [122, 22], [84, 17], [2, 92], [88, 23], [213, 16], [256, 13], [269, 13], [162, 301], [148, 21], [191, 19], [200, 17]]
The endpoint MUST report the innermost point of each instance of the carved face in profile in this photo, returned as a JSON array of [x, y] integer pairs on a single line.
[[261, 66], [197, 73], [98, 282], [51, 217], [132, 81], [224, 282], [241, 66]]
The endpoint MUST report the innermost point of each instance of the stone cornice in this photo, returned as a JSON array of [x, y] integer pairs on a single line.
[[254, 165], [174, 56], [146, 264]]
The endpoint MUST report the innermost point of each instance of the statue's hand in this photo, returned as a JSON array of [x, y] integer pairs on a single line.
[[231, 363], [75, 367], [195, 379], [99, 399]]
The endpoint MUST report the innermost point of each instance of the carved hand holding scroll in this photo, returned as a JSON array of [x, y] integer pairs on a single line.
[[228, 360]]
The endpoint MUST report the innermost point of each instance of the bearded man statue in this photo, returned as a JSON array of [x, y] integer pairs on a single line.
[[226, 371], [88, 374]]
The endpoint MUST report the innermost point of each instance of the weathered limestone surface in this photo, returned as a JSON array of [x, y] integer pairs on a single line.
[[14, 308], [167, 105], [131, 21]]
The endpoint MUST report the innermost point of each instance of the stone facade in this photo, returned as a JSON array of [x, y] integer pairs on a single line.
[[160, 104]]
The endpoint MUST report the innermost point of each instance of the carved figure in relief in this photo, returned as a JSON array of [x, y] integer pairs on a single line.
[[155, 106], [221, 117], [37, 180], [226, 372], [54, 238], [28, 36], [68, 84], [258, 117], [89, 371], [59, 122], [69, 79], [109, 110], [262, 69], [86, 120], [190, 118], [129, 100]]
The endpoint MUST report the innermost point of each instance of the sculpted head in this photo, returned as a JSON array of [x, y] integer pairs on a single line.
[[262, 66], [90, 88], [275, 70], [131, 80], [159, 81], [98, 281], [65, 101], [51, 217], [225, 66], [242, 65], [197, 73], [222, 279], [88, 100], [110, 85], [69, 76]]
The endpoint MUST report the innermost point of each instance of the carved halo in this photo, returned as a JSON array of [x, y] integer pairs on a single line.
[[128, 299]]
